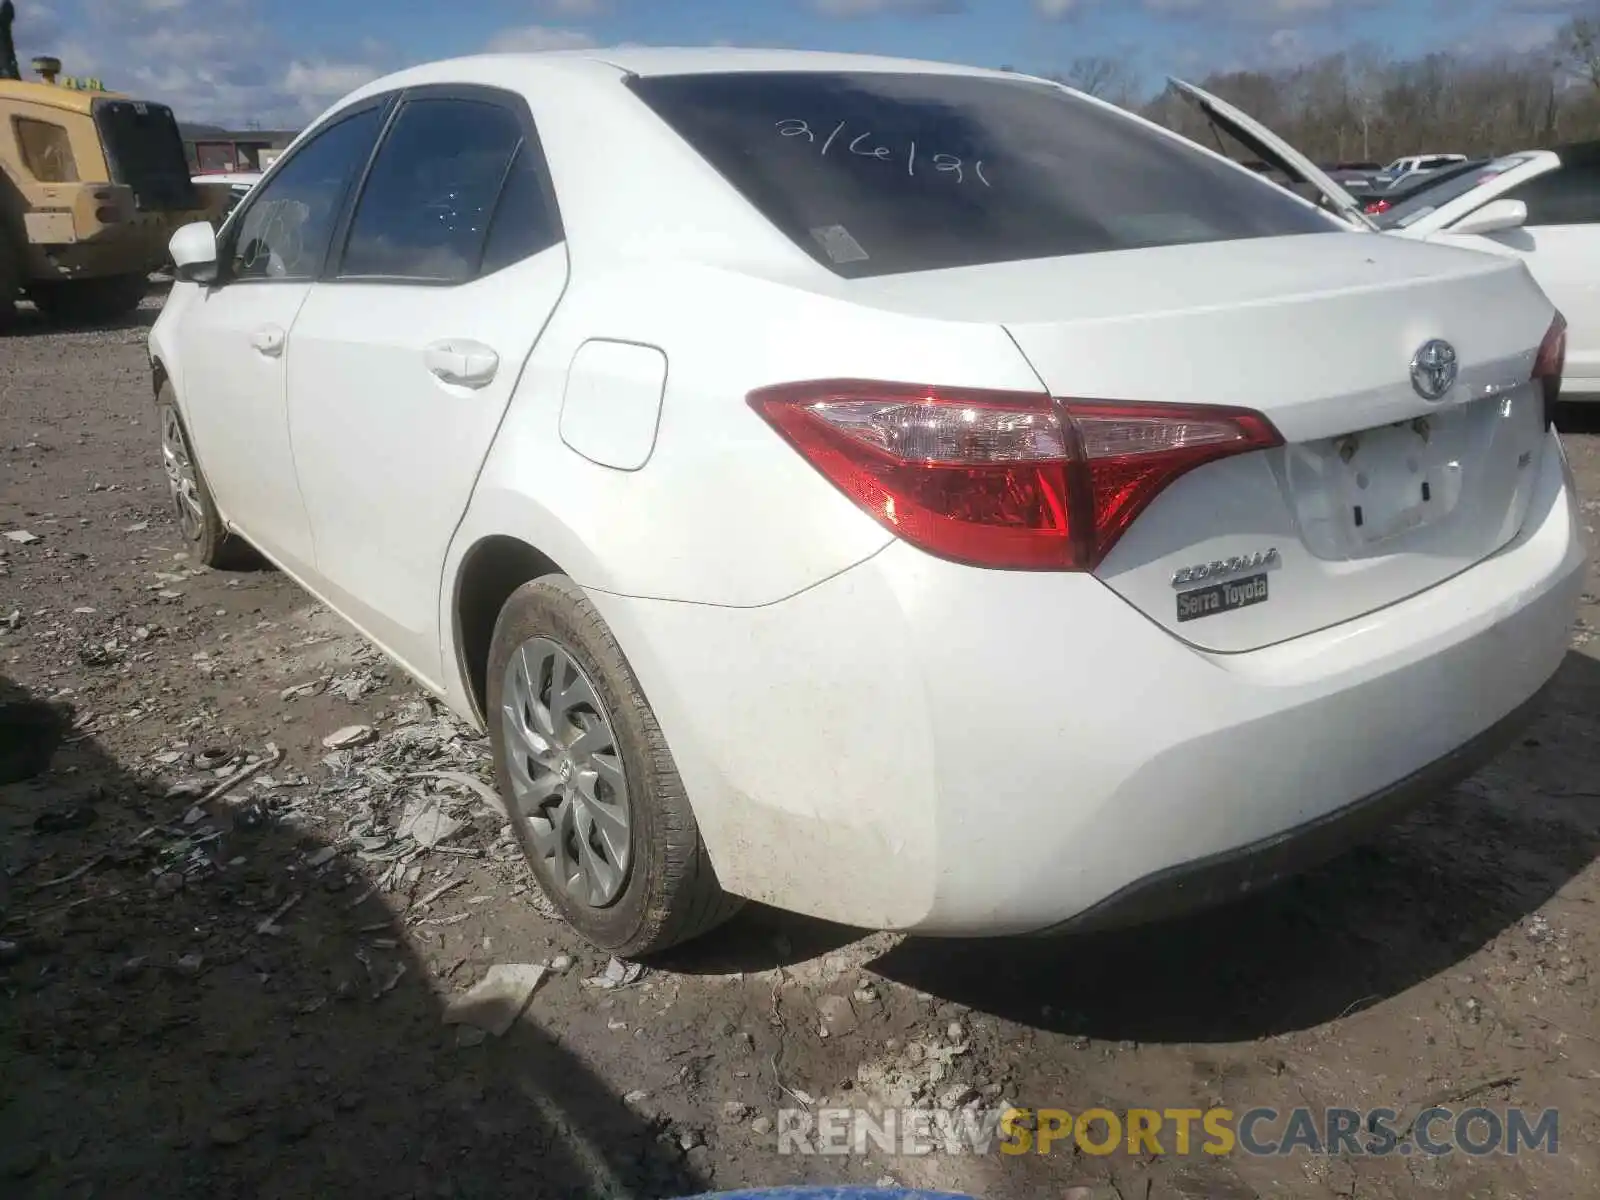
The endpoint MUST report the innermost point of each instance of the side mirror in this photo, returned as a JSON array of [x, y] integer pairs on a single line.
[[194, 253], [1497, 216]]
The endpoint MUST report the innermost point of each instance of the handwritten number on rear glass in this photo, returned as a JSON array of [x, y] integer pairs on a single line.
[[862, 145]]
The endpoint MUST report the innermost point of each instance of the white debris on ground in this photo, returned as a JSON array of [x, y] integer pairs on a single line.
[[618, 974], [393, 805], [495, 1002]]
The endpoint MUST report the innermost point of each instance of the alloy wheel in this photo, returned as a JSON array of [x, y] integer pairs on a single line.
[[182, 483], [566, 772]]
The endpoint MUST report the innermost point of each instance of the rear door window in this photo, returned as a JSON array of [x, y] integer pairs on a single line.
[[525, 221], [426, 207], [880, 173]]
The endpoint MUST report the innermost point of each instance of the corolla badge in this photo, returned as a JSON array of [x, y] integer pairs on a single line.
[[1261, 560], [1433, 369]]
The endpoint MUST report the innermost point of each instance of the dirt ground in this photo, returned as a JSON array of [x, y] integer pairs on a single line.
[[246, 996]]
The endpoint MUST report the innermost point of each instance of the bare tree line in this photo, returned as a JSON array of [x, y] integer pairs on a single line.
[[1363, 105]]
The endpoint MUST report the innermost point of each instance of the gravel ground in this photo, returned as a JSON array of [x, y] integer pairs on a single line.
[[259, 993]]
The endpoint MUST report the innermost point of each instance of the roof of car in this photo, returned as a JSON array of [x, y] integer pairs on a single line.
[[689, 60], [660, 60], [606, 64]]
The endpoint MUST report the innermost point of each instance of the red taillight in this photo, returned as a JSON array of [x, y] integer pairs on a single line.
[[1378, 206], [1002, 479], [1550, 363]]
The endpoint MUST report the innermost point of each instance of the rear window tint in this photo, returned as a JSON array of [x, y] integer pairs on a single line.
[[879, 173]]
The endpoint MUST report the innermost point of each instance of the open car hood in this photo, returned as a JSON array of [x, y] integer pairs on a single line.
[[1274, 151]]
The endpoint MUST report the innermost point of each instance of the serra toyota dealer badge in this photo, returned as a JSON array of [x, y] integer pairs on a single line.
[[1221, 598]]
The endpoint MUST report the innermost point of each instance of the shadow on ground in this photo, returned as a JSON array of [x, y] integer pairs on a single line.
[[759, 939], [30, 322], [1579, 416], [1361, 929], [155, 1043]]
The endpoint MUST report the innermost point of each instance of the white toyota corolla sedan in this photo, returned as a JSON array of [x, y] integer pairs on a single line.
[[921, 497]]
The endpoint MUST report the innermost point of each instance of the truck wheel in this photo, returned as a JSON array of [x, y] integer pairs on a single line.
[[10, 286], [589, 783], [90, 301]]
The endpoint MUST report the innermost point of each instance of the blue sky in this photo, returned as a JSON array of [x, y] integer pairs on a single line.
[[278, 62]]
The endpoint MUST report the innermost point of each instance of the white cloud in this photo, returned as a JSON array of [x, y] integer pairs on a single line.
[[1278, 13], [571, 10], [849, 9], [1286, 48], [1056, 10], [37, 30], [1513, 34], [218, 62], [532, 38], [1559, 8], [319, 82]]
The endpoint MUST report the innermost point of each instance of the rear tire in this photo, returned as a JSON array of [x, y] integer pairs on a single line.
[[10, 284], [654, 886], [90, 301], [198, 520]]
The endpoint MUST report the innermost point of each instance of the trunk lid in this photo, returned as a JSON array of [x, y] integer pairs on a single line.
[[1273, 150], [1378, 493]]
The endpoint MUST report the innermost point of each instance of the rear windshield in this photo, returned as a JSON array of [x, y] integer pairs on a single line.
[[878, 173]]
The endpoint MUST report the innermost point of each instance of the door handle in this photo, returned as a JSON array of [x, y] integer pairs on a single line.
[[268, 341], [461, 362]]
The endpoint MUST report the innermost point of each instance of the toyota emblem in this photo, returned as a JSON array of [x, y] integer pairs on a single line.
[[1433, 369]]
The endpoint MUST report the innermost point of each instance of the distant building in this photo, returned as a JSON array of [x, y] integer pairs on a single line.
[[214, 151]]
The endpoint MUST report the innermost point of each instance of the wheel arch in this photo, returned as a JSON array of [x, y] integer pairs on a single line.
[[159, 376], [492, 568]]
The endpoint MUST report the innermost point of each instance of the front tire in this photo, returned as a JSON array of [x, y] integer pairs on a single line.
[[593, 796], [199, 521]]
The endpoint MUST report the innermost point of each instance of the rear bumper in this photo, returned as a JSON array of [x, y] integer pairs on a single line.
[[917, 745], [1233, 874]]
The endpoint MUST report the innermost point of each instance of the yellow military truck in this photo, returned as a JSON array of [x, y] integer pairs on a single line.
[[92, 186]]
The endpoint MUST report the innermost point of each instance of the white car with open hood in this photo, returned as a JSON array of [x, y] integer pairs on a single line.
[[917, 496], [1540, 206]]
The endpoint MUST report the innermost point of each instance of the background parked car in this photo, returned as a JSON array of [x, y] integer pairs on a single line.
[[1401, 168], [1377, 198], [1353, 175], [1541, 206]]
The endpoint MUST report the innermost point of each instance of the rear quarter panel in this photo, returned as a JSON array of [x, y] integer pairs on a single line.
[[723, 511]]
